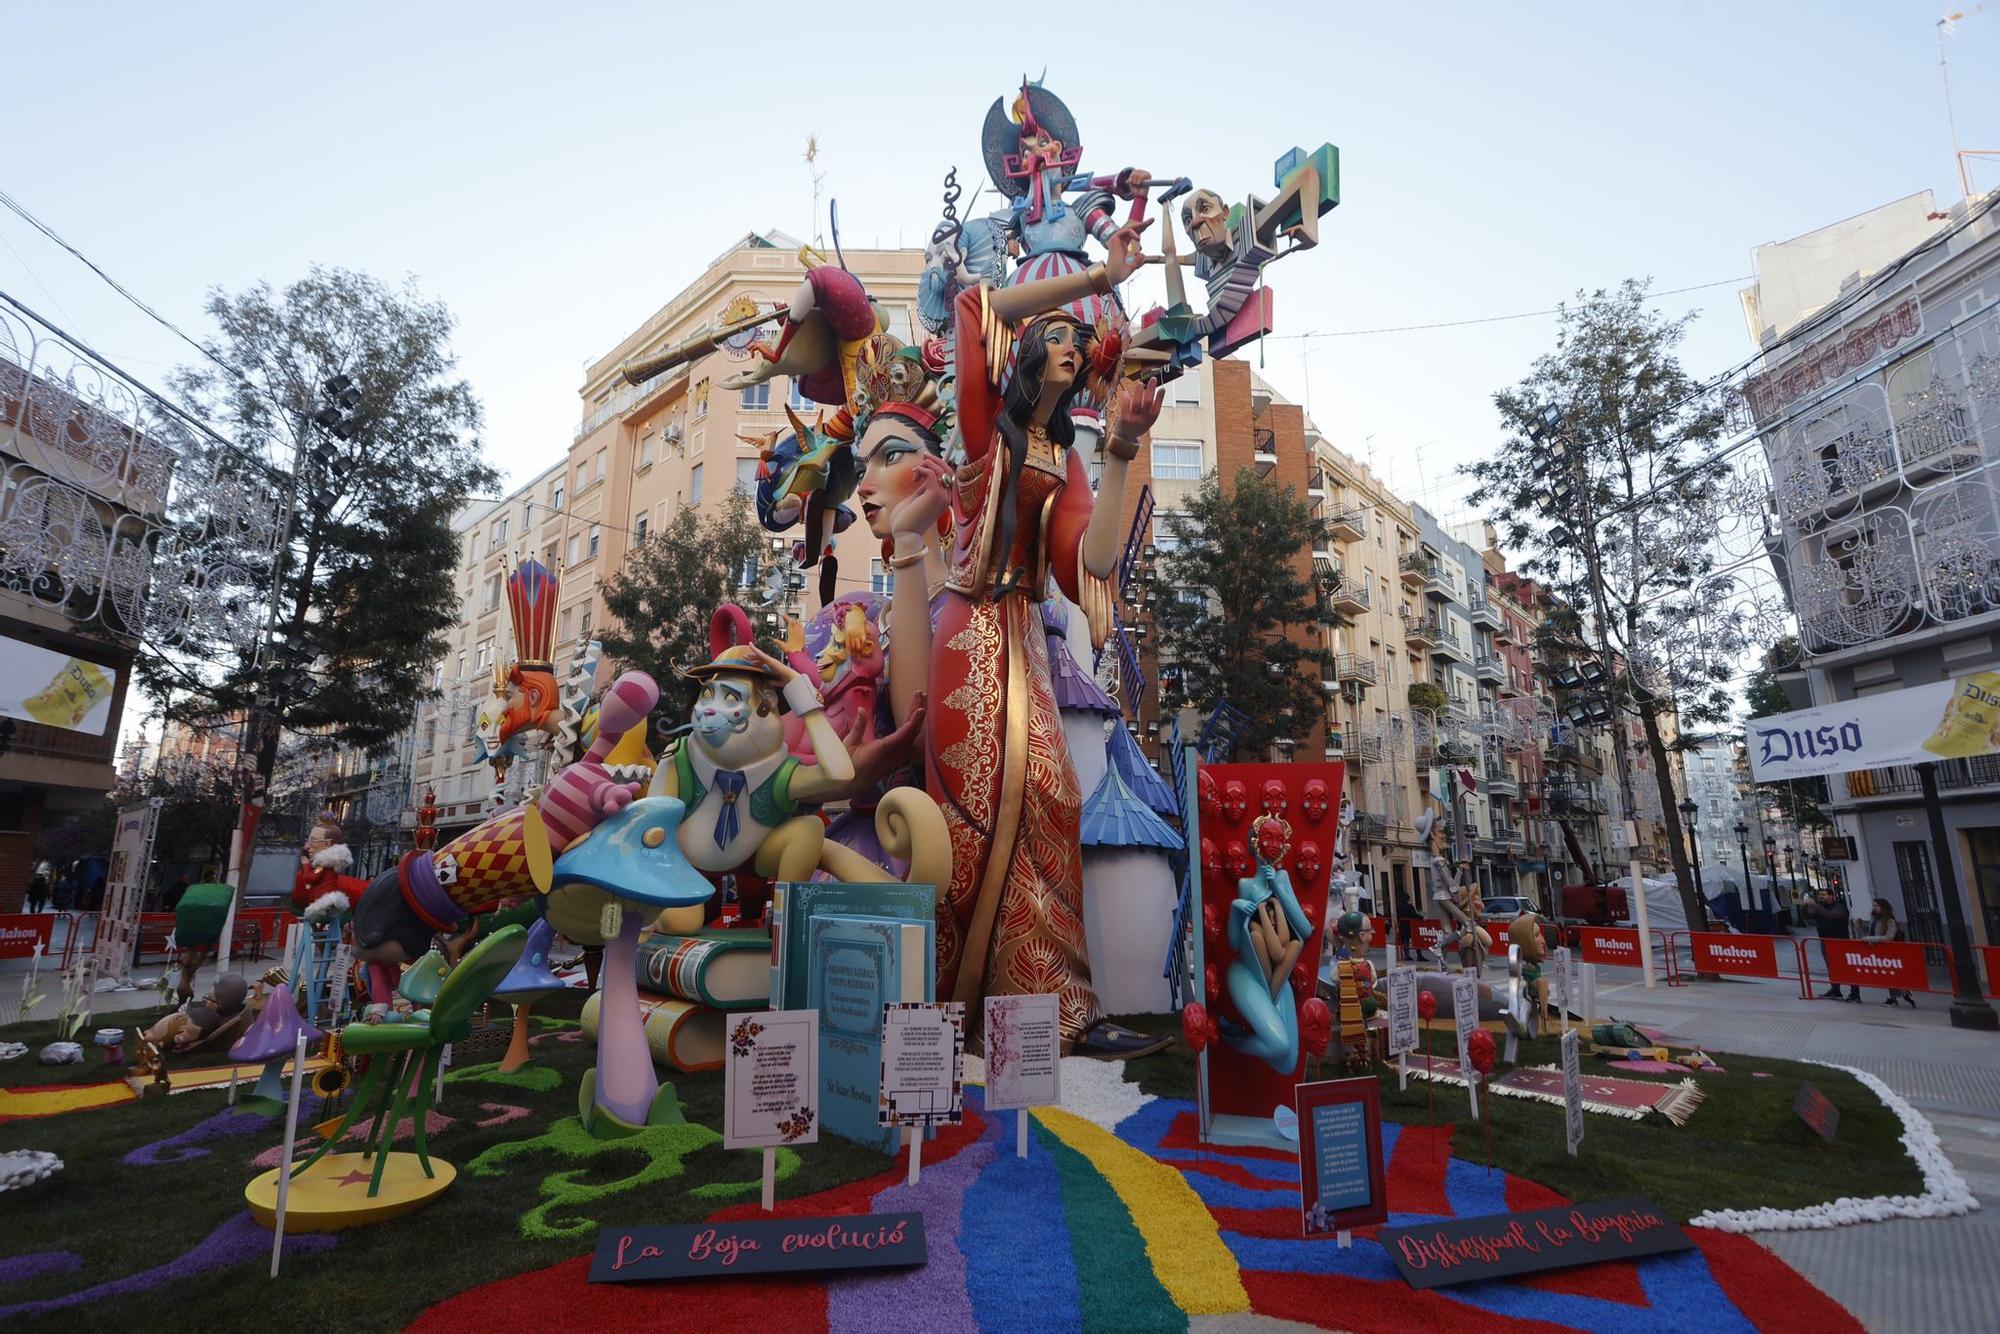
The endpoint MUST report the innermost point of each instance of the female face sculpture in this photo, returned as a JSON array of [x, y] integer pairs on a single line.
[[894, 450], [1274, 799], [1209, 794], [1313, 800], [1239, 861], [1310, 861], [1235, 800]]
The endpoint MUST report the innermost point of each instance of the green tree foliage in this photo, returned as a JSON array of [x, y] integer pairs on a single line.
[[671, 584], [366, 583], [1635, 432], [1427, 696], [1231, 597], [1797, 799]]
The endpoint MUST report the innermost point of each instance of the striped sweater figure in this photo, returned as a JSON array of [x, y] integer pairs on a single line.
[[510, 854]]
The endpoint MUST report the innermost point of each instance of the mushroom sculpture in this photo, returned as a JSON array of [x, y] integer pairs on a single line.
[[273, 1039], [530, 981]]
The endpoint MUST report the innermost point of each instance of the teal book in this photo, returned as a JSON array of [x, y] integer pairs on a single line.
[[795, 903], [857, 965]]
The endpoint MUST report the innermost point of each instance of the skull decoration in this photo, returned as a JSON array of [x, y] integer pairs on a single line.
[[1211, 860], [1310, 862], [1314, 800], [1274, 799], [1239, 863], [1210, 797], [1235, 800]]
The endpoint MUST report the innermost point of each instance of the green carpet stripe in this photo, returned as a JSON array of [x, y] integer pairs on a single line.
[[1116, 1278]]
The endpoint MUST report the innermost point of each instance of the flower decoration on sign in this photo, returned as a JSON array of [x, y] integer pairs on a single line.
[[743, 1038], [796, 1125]]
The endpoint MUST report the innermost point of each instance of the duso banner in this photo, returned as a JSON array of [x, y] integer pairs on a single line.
[[40, 685], [1948, 720]]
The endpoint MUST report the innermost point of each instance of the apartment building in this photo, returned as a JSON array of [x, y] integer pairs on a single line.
[[1877, 404]]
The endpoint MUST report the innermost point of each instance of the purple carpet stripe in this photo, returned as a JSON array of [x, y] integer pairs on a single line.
[[179, 1148], [933, 1297], [21, 1268], [237, 1241]]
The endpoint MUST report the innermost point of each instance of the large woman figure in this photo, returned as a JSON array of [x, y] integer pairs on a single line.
[[1023, 514]]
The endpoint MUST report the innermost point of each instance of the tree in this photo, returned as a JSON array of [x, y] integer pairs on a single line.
[[1234, 599], [661, 600], [1798, 799], [1603, 483], [364, 586]]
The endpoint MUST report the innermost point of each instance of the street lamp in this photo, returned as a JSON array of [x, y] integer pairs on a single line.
[[1792, 867], [1752, 900], [1688, 811]]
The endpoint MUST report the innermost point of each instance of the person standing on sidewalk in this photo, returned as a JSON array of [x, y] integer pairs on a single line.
[[1827, 912], [1405, 913], [1882, 926], [38, 891]]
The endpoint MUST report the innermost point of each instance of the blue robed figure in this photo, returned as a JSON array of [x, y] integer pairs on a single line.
[[1268, 931]]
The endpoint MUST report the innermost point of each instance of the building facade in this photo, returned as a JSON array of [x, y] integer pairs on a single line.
[[1877, 403]]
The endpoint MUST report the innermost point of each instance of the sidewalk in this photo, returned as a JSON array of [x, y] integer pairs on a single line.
[[1917, 1274]]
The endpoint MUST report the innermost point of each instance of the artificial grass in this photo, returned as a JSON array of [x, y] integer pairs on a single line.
[[538, 1201], [1742, 1149], [121, 1219]]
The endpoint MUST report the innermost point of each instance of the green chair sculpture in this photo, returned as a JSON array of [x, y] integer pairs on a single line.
[[403, 1062]]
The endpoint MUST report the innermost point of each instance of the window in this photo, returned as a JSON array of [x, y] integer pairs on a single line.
[[485, 658], [568, 619], [600, 466], [556, 499], [430, 735], [757, 398], [496, 537], [582, 476], [700, 399], [1186, 391], [746, 477], [460, 673], [575, 547], [593, 539], [646, 451], [549, 555], [796, 400], [694, 485], [1177, 460], [881, 579], [639, 530], [494, 583], [585, 631]]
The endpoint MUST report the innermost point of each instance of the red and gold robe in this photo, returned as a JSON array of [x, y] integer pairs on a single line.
[[1011, 922]]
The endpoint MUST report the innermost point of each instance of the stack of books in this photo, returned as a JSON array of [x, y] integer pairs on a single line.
[[688, 983]]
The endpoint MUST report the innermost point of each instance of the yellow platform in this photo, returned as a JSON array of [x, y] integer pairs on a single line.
[[333, 1193], [218, 1076]]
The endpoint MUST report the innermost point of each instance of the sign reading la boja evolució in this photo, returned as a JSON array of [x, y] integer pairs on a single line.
[[1945, 720], [758, 1246]]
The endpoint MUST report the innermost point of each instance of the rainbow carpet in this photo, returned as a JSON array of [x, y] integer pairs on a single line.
[[1118, 1219]]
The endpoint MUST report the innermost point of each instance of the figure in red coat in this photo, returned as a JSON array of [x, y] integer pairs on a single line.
[[321, 892]]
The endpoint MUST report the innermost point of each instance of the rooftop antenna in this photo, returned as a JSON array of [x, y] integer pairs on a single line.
[[818, 180], [1945, 27]]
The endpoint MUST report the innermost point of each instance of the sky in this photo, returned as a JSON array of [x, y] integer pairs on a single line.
[[556, 177]]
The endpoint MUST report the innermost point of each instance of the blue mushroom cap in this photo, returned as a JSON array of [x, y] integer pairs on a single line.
[[636, 856]]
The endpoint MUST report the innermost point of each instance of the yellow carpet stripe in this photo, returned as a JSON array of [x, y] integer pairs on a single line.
[[55, 1101], [1188, 1254]]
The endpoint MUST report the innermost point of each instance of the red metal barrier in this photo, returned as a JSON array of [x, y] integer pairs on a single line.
[[22, 932], [1889, 964], [1619, 946], [1991, 954], [1742, 955], [74, 938]]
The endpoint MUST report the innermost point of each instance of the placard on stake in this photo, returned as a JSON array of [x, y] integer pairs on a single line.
[[1465, 1014]]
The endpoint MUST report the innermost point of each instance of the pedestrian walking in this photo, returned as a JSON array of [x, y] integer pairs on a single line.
[[1882, 926], [38, 892], [1406, 914], [1828, 913], [66, 888]]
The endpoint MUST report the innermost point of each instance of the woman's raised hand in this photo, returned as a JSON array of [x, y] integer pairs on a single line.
[[1126, 255]]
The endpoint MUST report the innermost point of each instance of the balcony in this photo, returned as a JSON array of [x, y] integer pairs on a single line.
[[1372, 827], [1902, 781], [1316, 485], [1414, 569], [1264, 443], [1365, 747], [1489, 667], [1353, 667], [1500, 782], [1572, 799], [1422, 632], [1449, 645], [1349, 596], [1348, 523], [1483, 612]]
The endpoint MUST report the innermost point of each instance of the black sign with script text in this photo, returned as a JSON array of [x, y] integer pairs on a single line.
[[758, 1246], [1463, 1250], [1816, 1111]]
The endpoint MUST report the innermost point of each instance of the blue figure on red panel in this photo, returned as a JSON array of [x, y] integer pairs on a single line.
[[1268, 931]]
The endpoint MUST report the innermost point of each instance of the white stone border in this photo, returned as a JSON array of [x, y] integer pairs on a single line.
[[1945, 1192]]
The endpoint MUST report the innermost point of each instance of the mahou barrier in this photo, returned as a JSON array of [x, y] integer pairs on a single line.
[[1619, 946], [1889, 964], [1990, 954], [21, 932], [1733, 955]]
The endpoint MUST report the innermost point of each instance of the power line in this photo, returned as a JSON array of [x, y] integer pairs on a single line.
[[1490, 319], [116, 286]]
